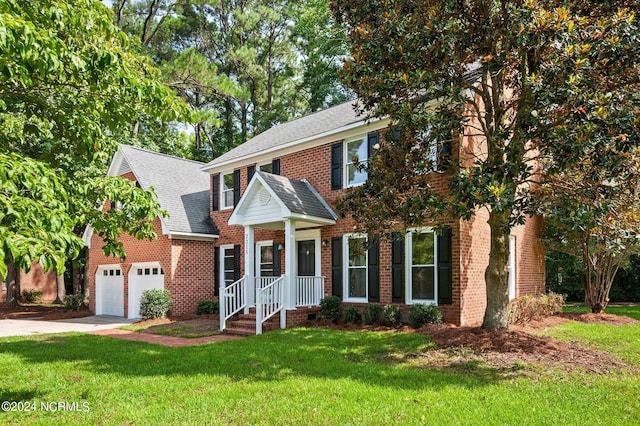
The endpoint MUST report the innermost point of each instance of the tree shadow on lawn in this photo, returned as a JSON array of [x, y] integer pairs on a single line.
[[375, 358]]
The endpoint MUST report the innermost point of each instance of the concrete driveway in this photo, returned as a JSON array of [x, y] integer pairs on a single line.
[[28, 327]]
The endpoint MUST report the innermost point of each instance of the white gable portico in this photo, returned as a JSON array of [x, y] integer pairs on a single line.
[[279, 203]]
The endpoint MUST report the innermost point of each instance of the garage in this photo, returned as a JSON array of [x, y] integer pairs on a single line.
[[143, 276], [110, 291]]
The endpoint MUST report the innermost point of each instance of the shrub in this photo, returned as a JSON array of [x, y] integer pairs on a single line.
[[155, 303], [32, 295], [208, 307], [351, 314], [372, 313], [421, 314], [73, 302], [530, 308], [391, 315], [330, 309]]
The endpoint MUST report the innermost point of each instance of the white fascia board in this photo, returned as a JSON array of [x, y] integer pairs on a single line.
[[87, 234], [192, 236], [300, 144], [313, 219]]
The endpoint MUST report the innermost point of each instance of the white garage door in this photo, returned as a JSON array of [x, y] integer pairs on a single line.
[[143, 276], [110, 291]]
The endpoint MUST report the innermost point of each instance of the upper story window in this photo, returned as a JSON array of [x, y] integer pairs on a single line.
[[268, 168], [356, 159], [226, 193]]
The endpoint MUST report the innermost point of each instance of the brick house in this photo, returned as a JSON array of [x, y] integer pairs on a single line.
[[273, 199], [179, 259], [36, 279]]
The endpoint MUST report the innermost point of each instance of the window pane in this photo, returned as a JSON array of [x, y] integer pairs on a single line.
[[422, 249], [266, 261], [228, 198], [357, 151], [267, 168], [355, 175], [357, 252], [422, 282], [227, 181], [358, 282]]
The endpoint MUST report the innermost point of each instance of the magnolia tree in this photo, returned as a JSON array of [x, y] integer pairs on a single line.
[[537, 84], [68, 82], [596, 217]]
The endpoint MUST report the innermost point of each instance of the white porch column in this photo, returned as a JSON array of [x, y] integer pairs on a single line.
[[290, 261], [249, 256]]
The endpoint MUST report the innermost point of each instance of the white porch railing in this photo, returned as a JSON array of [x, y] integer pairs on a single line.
[[269, 301], [232, 300], [309, 291]]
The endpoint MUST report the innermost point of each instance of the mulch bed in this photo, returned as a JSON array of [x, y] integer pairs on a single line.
[[46, 313]]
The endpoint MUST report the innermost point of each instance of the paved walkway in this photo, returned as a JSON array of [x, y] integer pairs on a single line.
[[29, 327], [162, 340]]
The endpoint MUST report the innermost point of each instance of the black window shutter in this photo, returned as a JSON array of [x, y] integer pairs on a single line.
[[397, 268], [336, 165], [236, 187], [373, 272], [275, 166], [445, 284], [277, 268], [373, 139], [236, 262], [251, 170], [336, 266], [216, 271], [215, 189]]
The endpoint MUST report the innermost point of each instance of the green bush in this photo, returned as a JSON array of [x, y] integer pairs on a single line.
[[530, 308], [208, 307], [391, 315], [330, 309], [73, 302], [421, 314], [351, 314], [31, 296], [155, 303], [372, 313]]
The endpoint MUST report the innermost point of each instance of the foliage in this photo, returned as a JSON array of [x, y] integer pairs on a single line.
[[31, 295], [155, 303], [534, 307], [371, 313], [69, 80], [208, 307], [564, 275], [421, 314], [351, 314], [73, 302], [391, 315], [330, 309], [517, 85]]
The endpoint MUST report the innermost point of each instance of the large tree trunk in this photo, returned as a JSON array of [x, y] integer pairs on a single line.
[[496, 275], [77, 276], [61, 291], [12, 281]]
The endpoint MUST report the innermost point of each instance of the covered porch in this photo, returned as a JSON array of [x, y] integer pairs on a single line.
[[294, 206]]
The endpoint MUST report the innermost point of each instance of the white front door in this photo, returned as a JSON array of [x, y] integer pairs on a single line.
[[264, 259]]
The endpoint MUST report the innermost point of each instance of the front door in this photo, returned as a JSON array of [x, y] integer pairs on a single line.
[[307, 258]]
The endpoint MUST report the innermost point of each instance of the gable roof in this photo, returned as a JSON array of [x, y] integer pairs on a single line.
[[301, 128], [269, 199], [182, 188]]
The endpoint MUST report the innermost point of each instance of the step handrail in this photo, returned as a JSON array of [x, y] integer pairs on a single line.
[[269, 301], [232, 300]]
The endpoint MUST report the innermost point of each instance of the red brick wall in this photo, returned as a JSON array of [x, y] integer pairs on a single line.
[[470, 239], [36, 279], [187, 266]]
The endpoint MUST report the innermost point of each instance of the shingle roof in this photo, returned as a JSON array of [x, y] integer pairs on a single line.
[[182, 188], [301, 128], [299, 196]]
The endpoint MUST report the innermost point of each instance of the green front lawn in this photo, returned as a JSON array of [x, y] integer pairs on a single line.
[[305, 376], [630, 311]]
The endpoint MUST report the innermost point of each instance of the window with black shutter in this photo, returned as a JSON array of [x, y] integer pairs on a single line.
[[373, 272], [397, 268], [215, 190], [275, 166], [336, 266], [251, 170], [236, 187], [445, 276], [336, 166]]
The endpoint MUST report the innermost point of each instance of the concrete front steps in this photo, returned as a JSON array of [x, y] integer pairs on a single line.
[[245, 324]]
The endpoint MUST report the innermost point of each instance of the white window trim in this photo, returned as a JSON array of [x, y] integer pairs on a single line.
[[408, 250], [223, 248], [345, 277], [347, 162], [223, 206]]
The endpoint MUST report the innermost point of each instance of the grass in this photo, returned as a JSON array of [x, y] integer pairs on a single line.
[[630, 311], [305, 376], [178, 329]]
